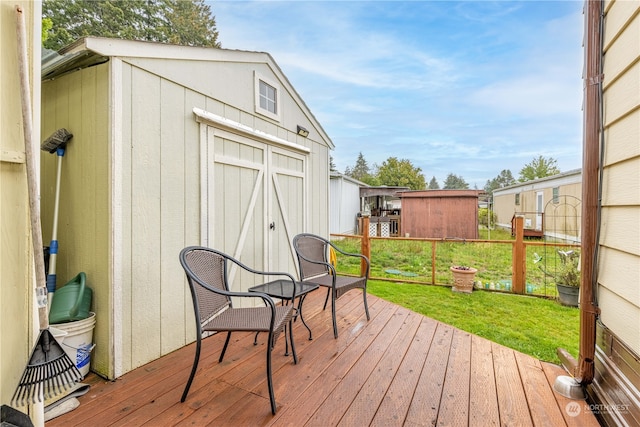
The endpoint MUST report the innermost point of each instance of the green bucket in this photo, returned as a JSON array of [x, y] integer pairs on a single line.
[[71, 302]]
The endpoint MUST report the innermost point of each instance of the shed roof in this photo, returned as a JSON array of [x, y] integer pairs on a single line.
[[90, 51], [441, 193], [381, 191]]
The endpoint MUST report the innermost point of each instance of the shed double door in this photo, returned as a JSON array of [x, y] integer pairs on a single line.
[[256, 202]]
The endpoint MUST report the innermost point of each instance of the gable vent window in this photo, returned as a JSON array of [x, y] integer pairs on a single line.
[[267, 97]]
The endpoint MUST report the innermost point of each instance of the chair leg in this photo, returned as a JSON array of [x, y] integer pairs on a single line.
[[224, 348], [293, 346], [286, 340], [194, 368], [255, 339], [299, 313], [333, 315], [269, 379], [366, 306], [326, 299]]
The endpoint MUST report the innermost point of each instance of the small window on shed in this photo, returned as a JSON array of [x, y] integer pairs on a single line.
[[267, 97], [517, 199], [556, 195]]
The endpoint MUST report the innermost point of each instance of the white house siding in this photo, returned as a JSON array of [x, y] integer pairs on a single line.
[[345, 204], [619, 264], [179, 148], [18, 319]]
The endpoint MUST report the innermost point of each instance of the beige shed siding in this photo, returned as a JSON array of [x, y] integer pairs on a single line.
[[83, 231], [619, 264], [160, 214]]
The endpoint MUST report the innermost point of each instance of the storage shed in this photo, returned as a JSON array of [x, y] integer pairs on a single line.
[[173, 146], [440, 213]]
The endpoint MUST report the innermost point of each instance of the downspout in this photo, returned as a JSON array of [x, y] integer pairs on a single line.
[[591, 188]]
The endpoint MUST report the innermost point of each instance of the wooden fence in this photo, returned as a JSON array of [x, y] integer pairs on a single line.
[[517, 260]]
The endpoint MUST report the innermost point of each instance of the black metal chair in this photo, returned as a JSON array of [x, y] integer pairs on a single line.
[[315, 267], [207, 272]]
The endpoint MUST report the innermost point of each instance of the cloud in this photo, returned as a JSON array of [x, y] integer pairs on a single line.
[[469, 88]]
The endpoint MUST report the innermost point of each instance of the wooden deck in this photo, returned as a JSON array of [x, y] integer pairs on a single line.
[[399, 368]]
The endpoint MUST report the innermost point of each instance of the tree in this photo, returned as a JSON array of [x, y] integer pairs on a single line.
[[539, 167], [455, 182], [169, 21], [360, 171], [504, 179], [332, 165], [401, 173], [433, 184]]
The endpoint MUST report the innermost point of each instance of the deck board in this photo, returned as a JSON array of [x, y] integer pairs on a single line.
[[483, 398], [397, 369]]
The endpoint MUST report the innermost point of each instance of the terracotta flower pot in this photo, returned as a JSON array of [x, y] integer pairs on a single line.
[[463, 278]]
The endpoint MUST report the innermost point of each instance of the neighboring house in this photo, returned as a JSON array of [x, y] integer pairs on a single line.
[[174, 146], [344, 204], [440, 213], [617, 358], [18, 317], [550, 206]]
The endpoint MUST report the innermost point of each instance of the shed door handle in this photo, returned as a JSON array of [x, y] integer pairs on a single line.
[[272, 226]]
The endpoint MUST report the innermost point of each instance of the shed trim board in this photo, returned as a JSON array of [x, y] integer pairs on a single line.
[[233, 126], [117, 236]]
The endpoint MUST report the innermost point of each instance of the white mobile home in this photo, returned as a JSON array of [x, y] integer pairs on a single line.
[[345, 203], [174, 146]]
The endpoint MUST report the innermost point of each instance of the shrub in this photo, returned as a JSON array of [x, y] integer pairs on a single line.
[[484, 215]]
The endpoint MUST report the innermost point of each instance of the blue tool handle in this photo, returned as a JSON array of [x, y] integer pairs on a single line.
[[51, 283]]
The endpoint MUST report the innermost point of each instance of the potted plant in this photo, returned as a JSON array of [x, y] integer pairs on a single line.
[[567, 277], [463, 278]]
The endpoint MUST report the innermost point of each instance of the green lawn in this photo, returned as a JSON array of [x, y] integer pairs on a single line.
[[531, 325]]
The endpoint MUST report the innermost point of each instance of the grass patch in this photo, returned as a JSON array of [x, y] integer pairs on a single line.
[[533, 326]]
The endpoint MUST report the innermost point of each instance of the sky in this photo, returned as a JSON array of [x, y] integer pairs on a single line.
[[469, 88]]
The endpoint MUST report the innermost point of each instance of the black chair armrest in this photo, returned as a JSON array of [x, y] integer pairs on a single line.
[[352, 254]]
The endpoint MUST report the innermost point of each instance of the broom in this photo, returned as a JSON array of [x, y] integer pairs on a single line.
[[49, 371], [56, 143]]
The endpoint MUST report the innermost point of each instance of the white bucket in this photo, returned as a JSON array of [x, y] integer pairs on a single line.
[[76, 338]]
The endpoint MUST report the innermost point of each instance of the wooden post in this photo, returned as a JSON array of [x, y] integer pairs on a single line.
[[519, 267], [433, 262], [365, 244]]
